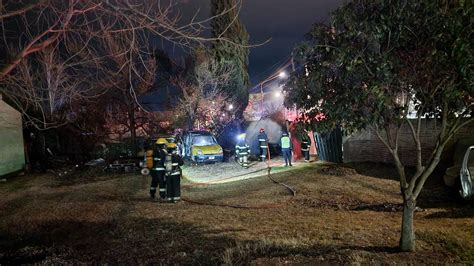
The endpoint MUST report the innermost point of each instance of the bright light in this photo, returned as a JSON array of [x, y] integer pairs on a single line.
[[282, 74], [277, 94], [231, 106]]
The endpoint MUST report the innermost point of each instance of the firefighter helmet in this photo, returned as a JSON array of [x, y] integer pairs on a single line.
[[161, 141], [262, 130], [171, 145]]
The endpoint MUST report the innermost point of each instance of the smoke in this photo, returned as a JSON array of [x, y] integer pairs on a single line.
[[272, 128]]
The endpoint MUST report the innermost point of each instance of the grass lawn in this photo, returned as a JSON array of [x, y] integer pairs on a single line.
[[337, 216]]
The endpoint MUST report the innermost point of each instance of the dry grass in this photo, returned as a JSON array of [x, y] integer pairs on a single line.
[[337, 216]]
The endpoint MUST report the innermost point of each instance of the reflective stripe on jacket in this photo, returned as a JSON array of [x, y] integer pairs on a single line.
[[262, 139], [305, 146]]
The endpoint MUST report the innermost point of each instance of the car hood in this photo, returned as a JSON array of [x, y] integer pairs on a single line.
[[211, 149]]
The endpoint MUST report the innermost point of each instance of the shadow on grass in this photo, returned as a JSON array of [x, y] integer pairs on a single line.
[[389, 171], [434, 194], [20, 246], [132, 240], [264, 251], [158, 241], [383, 207], [454, 213]]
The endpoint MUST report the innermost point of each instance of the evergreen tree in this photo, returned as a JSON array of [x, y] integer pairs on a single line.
[[231, 48]]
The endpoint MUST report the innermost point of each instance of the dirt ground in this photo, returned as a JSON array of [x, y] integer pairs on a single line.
[[231, 171], [337, 216]]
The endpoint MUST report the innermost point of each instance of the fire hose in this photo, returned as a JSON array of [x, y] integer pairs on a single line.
[[263, 206]]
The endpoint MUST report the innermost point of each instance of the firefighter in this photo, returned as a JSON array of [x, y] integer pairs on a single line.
[[173, 165], [242, 151], [305, 145], [285, 143], [263, 144], [158, 170]]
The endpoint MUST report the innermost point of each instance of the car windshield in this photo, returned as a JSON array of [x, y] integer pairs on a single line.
[[203, 140]]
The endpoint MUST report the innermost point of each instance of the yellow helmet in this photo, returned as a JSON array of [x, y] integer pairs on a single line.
[[171, 145], [161, 141]]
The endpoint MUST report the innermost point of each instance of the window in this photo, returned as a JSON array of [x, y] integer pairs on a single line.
[[204, 140]]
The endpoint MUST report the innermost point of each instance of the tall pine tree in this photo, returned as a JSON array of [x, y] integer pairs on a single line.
[[233, 49]]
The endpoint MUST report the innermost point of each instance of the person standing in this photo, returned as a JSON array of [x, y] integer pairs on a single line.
[[242, 151], [285, 143], [263, 144], [305, 146], [173, 174], [158, 170]]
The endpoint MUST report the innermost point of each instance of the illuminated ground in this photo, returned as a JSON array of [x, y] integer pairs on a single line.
[[337, 216], [232, 171]]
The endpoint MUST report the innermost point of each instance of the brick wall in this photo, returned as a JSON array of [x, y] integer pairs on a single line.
[[366, 147]]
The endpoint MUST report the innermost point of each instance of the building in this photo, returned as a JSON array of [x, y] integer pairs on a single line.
[[12, 150]]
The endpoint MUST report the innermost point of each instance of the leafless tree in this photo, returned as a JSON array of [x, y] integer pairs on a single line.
[[203, 103], [47, 22], [44, 87], [86, 39]]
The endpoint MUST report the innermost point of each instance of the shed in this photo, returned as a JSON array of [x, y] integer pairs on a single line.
[[12, 152]]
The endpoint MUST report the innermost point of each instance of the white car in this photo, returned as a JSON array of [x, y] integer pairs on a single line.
[[460, 176]]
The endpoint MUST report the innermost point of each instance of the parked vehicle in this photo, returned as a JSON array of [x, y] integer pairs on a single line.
[[466, 175], [201, 147], [461, 175]]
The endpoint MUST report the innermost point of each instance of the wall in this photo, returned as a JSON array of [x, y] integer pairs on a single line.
[[12, 154], [366, 147]]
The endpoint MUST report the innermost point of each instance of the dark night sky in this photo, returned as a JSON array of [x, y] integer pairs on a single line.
[[284, 21]]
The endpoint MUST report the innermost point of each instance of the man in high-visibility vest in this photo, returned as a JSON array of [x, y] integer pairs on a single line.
[[263, 144], [173, 165], [242, 151], [158, 170], [285, 143]]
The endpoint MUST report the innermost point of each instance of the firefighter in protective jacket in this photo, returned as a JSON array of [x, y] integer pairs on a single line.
[[158, 170], [173, 165], [263, 144], [242, 151], [305, 146]]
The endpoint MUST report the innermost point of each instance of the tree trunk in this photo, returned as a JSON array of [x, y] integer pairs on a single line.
[[190, 121], [133, 132], [407, 239]]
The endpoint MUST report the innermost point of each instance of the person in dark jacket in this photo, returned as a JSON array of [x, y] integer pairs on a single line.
[[263, 144], [173, 173], [285, 143], [242, 151], [158, 171], [305, 146]]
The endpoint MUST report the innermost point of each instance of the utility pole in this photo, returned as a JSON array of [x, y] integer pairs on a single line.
[[261, 96]]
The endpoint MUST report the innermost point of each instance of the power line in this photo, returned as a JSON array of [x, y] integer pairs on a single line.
[[275, 73], [277, 64]]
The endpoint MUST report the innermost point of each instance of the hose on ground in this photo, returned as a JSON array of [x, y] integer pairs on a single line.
[[264, 206]]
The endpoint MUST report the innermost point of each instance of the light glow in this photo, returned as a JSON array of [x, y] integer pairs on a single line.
[[282, 74]]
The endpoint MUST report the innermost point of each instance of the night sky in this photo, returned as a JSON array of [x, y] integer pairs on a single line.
[[284, 21]]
